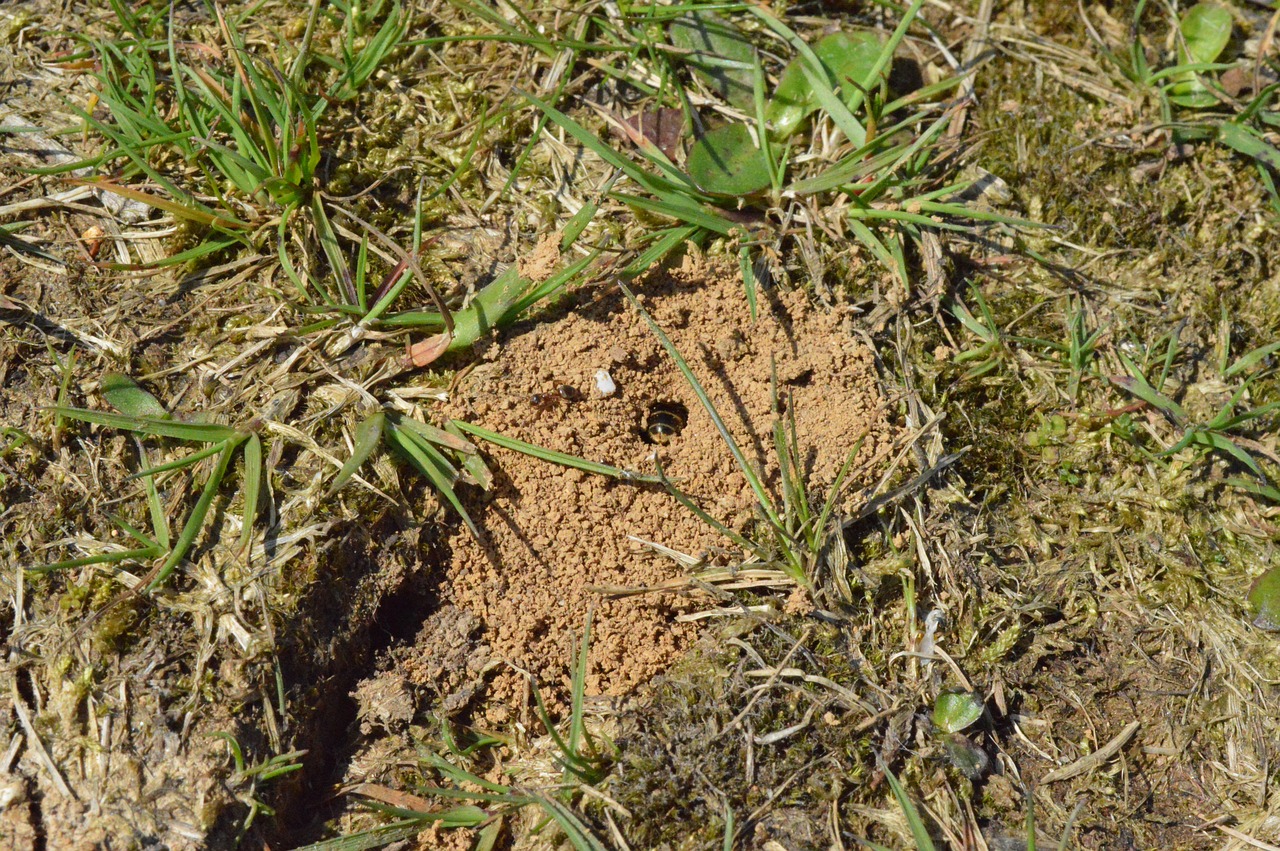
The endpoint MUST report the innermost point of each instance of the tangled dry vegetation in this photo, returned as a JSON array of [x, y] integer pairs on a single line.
[[304, 459]]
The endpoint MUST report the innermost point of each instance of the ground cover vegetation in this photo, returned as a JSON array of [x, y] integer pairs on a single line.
[[253, 250]]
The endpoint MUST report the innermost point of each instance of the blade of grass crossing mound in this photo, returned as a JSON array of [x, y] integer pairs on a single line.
[[762, 496], [680, 497], [473, 464], [664, 242], [552, 455], [552, 285], [834, 494]]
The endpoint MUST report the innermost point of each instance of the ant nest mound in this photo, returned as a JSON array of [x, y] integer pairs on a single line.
[[554, 538]]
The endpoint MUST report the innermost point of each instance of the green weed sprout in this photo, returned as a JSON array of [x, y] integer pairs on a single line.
[[246, 138], [142, 413], [1217, 434], [1203, 34], [247, 779], [993, 342], [885, 178]]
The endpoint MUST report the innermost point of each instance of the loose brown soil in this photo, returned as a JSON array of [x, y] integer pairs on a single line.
[[553, 539]]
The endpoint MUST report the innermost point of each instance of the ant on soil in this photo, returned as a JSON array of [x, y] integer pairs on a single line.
[[546, 401]]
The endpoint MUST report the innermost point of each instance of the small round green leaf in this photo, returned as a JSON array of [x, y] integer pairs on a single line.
[[124, 394], [719, 53], [1264, 600], [848, 59], [726, 161], [1205, 31], [954, 711]]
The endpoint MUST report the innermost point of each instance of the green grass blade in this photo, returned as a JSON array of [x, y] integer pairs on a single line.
[[384, 835], [196, 519], [367, 437], [918, 830], [473, 464], [579, 836], [824, 517], [438, 436], [141, 554], [677, 182], [159, 518], [1251, 359], [541, 452], [428, 461], [748, 279], [680, 208], [680, 497], [553, 285], [184, 461], [578, 692], [204, 432], [252, 487], [1136, 383], [1224, 444]]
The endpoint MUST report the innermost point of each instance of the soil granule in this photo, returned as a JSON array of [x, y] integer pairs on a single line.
[[516, 601]]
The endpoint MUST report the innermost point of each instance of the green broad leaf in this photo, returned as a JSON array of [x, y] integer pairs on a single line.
[[1264, 600], [124, 394], [726, 161], [1205, 31], [954, 711], [368, 436], [720, 55], [848, 58]]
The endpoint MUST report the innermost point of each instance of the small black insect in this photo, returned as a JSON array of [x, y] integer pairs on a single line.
[[664, 422], [546, 401]]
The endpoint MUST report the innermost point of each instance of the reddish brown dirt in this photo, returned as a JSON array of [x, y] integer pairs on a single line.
[[551, 536]]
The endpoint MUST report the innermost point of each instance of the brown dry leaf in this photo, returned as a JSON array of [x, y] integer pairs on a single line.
[[425, 352]]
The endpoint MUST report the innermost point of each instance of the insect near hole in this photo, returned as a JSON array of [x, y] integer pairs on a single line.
[[663, 422]]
